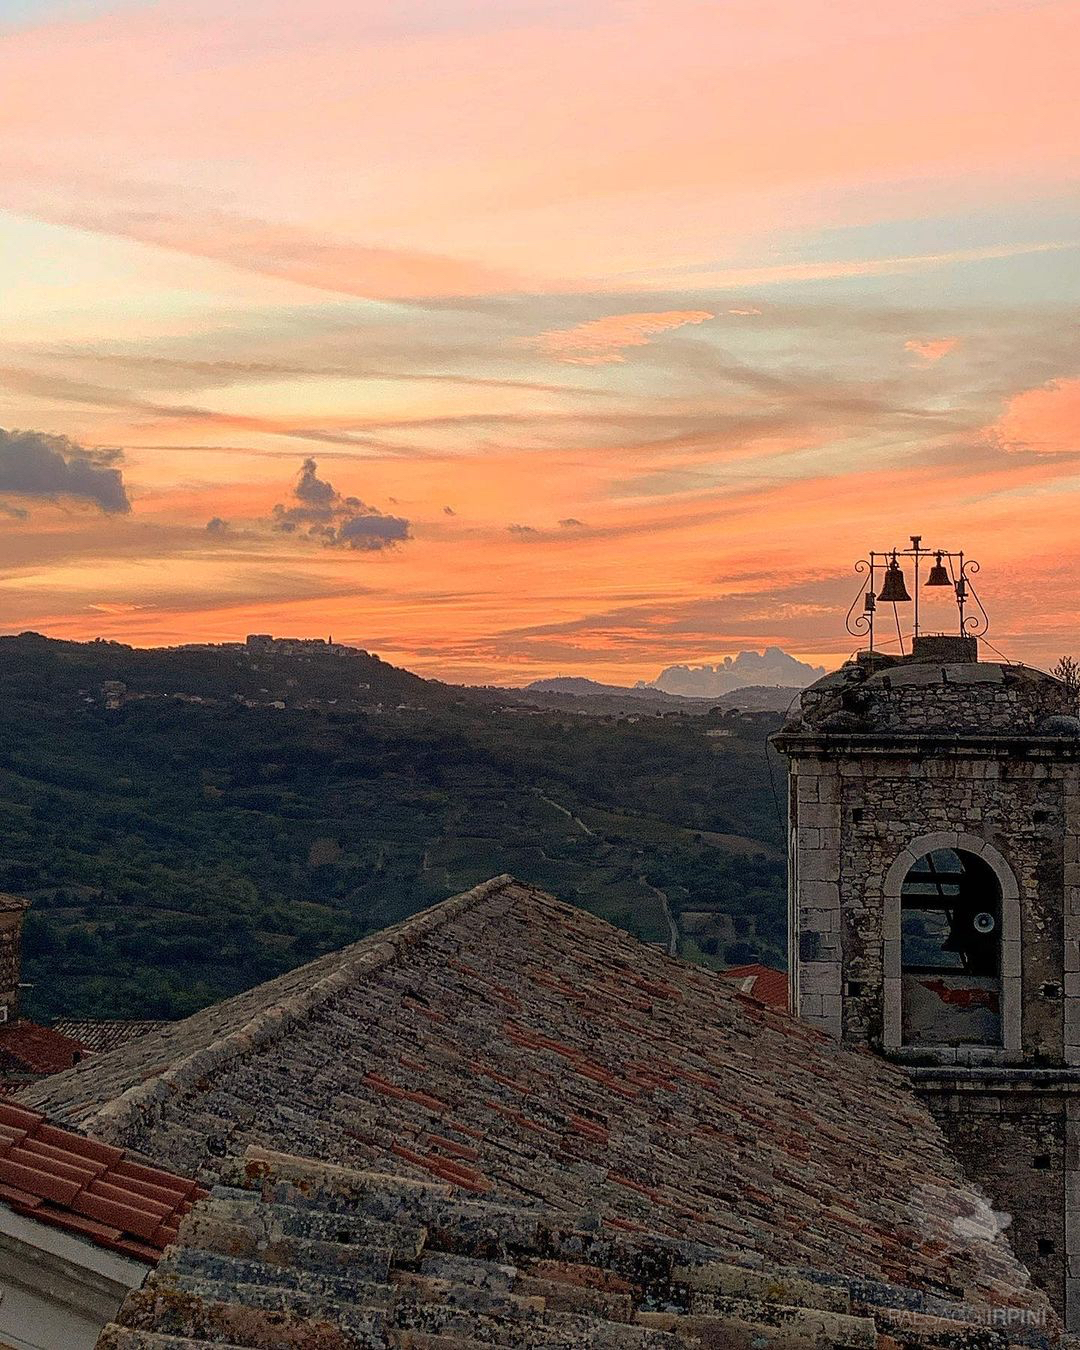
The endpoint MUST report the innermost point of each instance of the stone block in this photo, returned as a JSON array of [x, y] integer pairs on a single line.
[[818, 894], [821, 921], [819, 978], [820, 815], [820, 865]]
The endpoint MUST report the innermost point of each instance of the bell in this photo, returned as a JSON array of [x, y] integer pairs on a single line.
[[939, 574], [894, 588]]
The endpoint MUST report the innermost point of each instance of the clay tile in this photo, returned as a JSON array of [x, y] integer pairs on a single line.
[[155, 1176], [102, 1233], [106, 1190], [18, 1117], [70, 1142], [33, 1179], [123, 1216]]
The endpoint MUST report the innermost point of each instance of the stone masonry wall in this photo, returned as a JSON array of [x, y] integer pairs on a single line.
[[1013, 1141], [854, 816], [961, 699], [10, 941]]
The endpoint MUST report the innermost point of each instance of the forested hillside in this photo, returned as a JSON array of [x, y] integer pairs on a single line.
[[192, 838]]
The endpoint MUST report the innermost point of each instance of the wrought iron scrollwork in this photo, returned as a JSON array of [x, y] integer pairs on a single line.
[[977, 624], [862, 623]]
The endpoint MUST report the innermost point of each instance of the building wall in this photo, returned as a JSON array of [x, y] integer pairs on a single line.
[[1017, 1140], [57, 1291], [853, 816], [11, 917]]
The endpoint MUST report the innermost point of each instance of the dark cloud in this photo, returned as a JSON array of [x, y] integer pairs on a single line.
[[33, 464], [312, 489], [449, 511], [522, 531], [323, 514], [572, 523], [217, 526]]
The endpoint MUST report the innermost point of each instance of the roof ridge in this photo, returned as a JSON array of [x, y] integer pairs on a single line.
[[265, 1024]]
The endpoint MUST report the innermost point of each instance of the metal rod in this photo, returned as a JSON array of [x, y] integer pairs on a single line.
[[960, 596]]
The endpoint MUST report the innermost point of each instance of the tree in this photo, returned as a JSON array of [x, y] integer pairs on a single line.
[[1067, 671]]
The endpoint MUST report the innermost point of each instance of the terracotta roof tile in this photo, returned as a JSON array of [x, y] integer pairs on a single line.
[[103, 1034], [26, 1048], [767, 985], [647, 1093], [293, 1253], [87, 1187]]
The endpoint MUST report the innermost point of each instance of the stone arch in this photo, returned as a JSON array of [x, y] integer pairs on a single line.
[[961, 842]]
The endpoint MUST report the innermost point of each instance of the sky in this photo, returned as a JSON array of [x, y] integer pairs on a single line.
[[515, 338]]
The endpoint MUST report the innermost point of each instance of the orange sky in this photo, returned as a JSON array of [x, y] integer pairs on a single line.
[[614, 332]]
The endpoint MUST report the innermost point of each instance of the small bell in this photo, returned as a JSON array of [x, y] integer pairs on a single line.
[[894, 589], [869, 602], [939, 574]]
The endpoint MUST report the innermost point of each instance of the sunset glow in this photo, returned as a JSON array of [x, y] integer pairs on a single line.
[[510, 338]]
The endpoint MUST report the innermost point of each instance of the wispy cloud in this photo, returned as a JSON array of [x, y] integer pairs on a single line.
[[602, 342], [931, 349]]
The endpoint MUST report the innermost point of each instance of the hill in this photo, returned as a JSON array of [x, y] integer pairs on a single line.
[[576, 684], [578, 695], [188, 822]]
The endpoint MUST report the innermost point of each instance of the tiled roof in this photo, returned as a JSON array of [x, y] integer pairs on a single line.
[[764, 983], [101, 1034], [26, 1048], [521, 1050], [88, 1188], [290, 1253]]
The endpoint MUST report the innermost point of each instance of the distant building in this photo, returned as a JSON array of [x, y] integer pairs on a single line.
[[113, 691], [12, 912], [267, 644]]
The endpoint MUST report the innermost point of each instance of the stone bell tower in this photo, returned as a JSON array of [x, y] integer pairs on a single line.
[[934, 901]]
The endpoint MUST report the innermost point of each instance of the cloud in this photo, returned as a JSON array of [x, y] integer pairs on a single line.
[[303, 255], [217, 526], [600, 342], [323, 514], [572, 523], [523, 531], [748, 313], [931, 349], [1042, 421], [33, 464], [449, 511]]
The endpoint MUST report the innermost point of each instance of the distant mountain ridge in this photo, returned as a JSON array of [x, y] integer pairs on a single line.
[[757, 671], [577, 684], [772, 666]]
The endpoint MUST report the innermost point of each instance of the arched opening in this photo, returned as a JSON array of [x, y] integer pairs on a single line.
[[951, 925]]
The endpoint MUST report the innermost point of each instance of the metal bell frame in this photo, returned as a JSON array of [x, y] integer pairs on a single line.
[[950, 568]]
